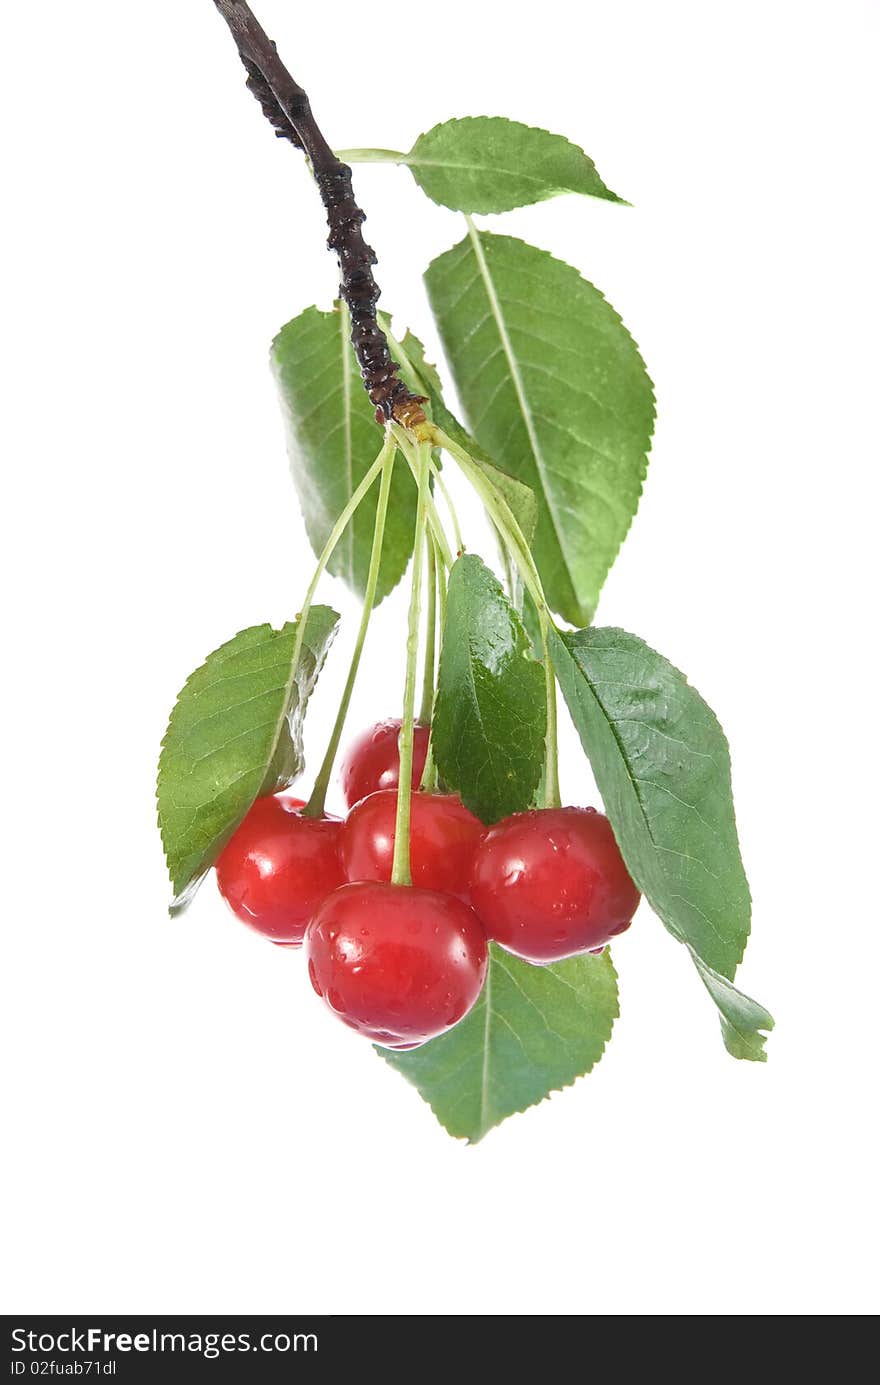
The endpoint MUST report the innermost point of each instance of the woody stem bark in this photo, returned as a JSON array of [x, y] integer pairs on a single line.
[[286, 107]]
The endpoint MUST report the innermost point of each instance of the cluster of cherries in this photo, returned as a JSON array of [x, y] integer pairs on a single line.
[[402, 964]]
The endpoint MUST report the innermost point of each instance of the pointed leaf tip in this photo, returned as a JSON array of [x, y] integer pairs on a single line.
[[490, 164]]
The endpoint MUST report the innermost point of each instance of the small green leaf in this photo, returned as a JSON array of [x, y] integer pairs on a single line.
[[555, 389], [490, 164], [423, 378], [533, 1031], [235, 733], [742, 1019], [332, 441], [662, 766], [490, 716]]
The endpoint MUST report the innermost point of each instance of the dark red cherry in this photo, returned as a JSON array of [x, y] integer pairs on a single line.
[[550, 883], [398, 964], [372, 761], [443, 839], [276, 869]]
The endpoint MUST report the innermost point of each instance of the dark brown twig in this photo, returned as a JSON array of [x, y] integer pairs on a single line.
[[286, 107]]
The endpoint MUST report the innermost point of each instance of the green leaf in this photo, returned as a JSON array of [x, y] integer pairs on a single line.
[[533, 1031], [554, 388], [235, 733], [742, 1019], [490, 164], [662, 767], [332, 441], [423, 378], [490, 716]]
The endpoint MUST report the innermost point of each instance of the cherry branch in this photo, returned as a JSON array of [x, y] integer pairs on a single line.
[[286, 107]]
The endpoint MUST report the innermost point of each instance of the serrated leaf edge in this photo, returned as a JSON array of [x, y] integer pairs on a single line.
[[410, 161], [564, 635], [184, 896], [476, 236], [563, 1086]]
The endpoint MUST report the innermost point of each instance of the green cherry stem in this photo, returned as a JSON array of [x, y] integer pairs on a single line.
[[447, 499], [502, 517], [427, 706], [327, 551], [315, 806], [408, 448], [429, 774], [413, 379], [400, 866], [441, 603], [551, 795]]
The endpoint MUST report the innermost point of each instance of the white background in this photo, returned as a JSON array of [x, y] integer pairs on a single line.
[[188, 1129]]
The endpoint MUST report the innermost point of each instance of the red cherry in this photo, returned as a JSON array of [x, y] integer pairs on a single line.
[[443, 839], [398, 964], [276, 869], [550, 883], [372, 761]]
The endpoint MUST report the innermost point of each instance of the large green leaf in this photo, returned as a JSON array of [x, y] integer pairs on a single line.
[[235, 733], [662, 766], [332, 441], [490, 716], [555, 389], [484, 163], [533, 1031]]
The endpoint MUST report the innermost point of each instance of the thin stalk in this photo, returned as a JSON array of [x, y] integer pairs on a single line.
[[441, 605], [428, 782], [550, 795], [315, 806], [427, 706], [429, 773], [336, 533], [509, 572], [456, 528], [408, 448], [512, 579], [400, 867], [445, 554], [501, 515], [371, 156]]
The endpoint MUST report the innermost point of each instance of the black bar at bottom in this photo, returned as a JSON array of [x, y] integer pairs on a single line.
[[108, 1347]]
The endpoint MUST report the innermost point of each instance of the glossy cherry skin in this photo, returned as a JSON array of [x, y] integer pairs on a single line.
[[398, 964], [276, 869], [443, 837], [372, 761], [551, 883]]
